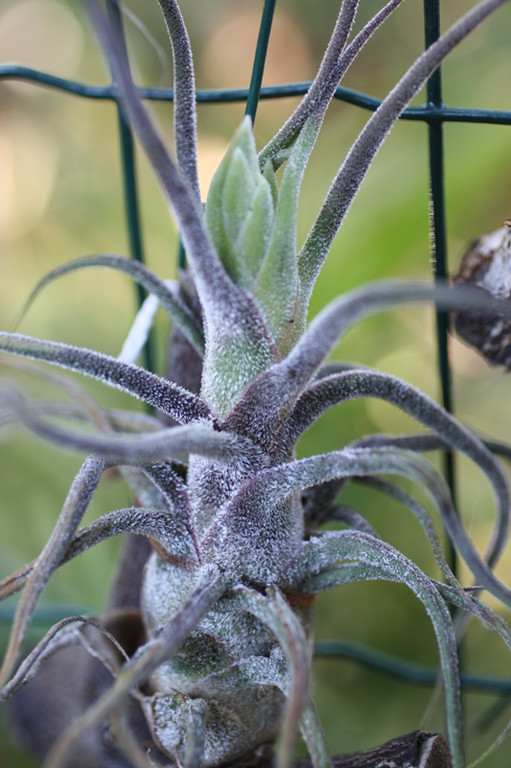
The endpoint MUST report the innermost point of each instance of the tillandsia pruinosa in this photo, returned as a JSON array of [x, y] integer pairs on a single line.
[[209, 656]]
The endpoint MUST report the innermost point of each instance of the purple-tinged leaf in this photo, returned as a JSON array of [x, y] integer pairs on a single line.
[[257, 503], [77, 501], [234, 329], [59, 409], [176, 493], [351, 50], [321, 92], [125, 421], [336, 61], [462, 599], [336, 318], [492, 621], [351, 518], [210, 585], [210, 277], [160, 525], [467, 600], [85, 407], [151, 389], [250, 539], [420, 442], [319, 501], [397, 493], [15, 581], [340, 366]]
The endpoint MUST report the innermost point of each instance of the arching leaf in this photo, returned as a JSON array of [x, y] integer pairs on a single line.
[[78, 499], [351, 555], [210, 585], [167, 296], [154, 390], [352, 385]]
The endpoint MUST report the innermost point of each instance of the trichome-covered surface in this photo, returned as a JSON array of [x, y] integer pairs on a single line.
[[203, 659]]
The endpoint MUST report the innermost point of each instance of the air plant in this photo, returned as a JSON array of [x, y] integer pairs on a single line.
[[212, 667]]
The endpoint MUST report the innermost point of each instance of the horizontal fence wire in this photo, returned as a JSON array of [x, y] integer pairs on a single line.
[[428, 113]]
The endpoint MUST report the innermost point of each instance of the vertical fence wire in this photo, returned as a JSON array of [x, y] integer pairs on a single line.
[[438, 234], [259, 59]]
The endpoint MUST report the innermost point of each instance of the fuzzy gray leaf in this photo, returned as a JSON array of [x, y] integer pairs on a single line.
[[264, 491], [185, 118], [158, 524], [351, 518], [175, 538], [80, 494], [396, 492], [336, 61], [349, 178], [210, 585], [374, 558], [141, 448], [66, 633], [268, 401], [275, 613], [152, 389], [351, 385], [322, 89], [176, 494], [236, 336], [15, 581]]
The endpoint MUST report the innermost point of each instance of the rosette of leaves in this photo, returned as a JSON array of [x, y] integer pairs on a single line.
[[212, 665]]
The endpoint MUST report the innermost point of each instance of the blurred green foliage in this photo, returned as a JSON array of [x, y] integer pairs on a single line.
[[60, 198]]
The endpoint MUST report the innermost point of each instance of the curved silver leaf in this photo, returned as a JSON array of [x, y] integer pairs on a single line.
[[352, 385], [345, 556], [140, 448], [257, 501], [168, 298], [77, 501], [210, 585]]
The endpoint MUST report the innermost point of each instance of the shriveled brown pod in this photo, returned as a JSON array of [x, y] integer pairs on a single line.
[[487, 265]]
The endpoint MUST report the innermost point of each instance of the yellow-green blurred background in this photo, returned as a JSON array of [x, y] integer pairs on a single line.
[[60, 198]]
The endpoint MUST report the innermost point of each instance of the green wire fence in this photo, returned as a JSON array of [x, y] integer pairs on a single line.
[[435, 114]]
